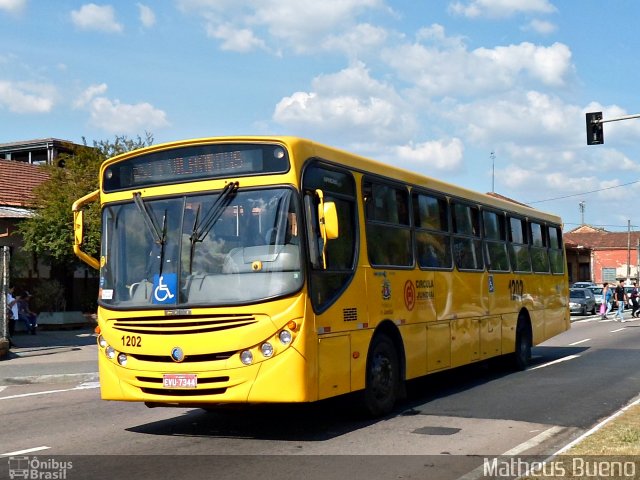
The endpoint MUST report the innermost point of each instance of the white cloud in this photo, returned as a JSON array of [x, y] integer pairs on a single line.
[[300, 25], [13, 6], [147, 17], [96, 17], [25, 97], [442, 155], [445, 66], [234, 39], [89, 94], [522, 118], [540, 26], [360, 38], [350, 105], [500, 8], [116, 117]]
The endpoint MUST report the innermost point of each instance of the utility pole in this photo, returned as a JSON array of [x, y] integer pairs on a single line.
[[582, 205], [492, 155], [628, 252]]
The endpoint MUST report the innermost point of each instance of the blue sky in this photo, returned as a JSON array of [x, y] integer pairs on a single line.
[[432, 86]]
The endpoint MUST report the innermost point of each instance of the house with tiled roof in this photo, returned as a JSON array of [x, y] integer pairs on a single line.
[[17, 183], [597, 255]]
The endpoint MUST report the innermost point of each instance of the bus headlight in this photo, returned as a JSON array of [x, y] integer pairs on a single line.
[[102, 341], [285, 337], [246, 357], [110, 352], [267, 349], [122, 359]]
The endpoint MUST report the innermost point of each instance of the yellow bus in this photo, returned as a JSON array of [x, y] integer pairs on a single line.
[[277, 269]]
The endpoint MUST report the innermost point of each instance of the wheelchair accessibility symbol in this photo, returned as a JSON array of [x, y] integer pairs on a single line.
[[164, 288]]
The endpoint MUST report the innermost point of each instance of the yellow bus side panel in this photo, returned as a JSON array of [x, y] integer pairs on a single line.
[[438, 346], [490, 337], [414, 338], [334, 377], [465, 341], [509, 323], [360, 340]]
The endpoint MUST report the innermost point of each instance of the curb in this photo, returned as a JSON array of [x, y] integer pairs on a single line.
[[56, 378], [4, 348]]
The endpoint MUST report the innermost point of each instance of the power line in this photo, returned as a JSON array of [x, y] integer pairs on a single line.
[[584, 193]]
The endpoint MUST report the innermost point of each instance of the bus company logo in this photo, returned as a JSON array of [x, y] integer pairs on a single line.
[[34, 468], [386, 289], [409, 295], [177, 354]]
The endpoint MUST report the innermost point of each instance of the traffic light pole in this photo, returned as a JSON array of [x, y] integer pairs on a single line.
[[595, 132], [616, 119]]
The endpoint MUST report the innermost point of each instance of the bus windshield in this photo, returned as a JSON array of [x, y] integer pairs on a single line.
[[220, 248]]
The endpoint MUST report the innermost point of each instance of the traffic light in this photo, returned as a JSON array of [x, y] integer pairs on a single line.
[[595, 132]]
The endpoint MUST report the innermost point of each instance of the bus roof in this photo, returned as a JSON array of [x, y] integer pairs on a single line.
[[305, 148]]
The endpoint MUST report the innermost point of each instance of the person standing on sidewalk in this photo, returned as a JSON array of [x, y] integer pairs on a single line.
[[621, 298], [25, 314], [12, 309], [634, 300]]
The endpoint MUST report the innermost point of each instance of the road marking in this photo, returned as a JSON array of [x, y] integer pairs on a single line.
[[22, 452], [537, 440], [87, 386], [579, 342], [560, 360], [2, 387], [478, 473], [617, 330]]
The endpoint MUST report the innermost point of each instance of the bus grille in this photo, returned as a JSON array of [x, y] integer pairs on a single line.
[[192, 324], [206, 357], [184, 393]]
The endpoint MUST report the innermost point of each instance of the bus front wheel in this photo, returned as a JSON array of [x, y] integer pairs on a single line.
[[382, 376]]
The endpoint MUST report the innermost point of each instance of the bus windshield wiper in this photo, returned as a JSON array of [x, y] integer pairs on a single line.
[[200, 232], [214, 213], [159, 236]]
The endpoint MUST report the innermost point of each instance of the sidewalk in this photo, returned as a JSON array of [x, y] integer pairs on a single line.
[[51, 356]]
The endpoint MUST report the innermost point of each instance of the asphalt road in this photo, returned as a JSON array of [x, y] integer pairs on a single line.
[[446, 428]]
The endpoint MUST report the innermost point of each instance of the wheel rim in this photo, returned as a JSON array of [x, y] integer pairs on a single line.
[[382, 377]]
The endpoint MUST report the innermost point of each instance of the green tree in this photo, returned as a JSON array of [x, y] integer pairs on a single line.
[[49, 232]]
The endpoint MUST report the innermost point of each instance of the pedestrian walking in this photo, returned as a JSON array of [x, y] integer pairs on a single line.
[[607, 295], [621, 298], [634, 300]]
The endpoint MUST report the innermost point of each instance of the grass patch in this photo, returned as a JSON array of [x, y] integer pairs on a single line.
[[621, 436]]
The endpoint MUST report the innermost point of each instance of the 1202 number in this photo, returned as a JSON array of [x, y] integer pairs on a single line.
[[131, 341]]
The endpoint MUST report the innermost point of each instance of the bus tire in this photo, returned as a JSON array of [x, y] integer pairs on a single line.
[[522, 354], [382, 376]]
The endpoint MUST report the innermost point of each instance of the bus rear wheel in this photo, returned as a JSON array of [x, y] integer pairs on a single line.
[[522, 354], [382, 376]]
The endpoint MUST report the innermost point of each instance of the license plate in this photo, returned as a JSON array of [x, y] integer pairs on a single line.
[[179, 380]]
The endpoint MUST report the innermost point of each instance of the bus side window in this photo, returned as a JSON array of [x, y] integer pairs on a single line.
[[519, 245], [389, 239], [433, 242], [467, 246], [539, 244], [556, 255], [495, 238]]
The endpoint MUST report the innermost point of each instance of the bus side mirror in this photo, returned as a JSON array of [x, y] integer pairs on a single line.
[[330, 216], [328, 221], [78, 228]]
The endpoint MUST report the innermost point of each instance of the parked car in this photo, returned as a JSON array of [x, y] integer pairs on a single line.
[[597, 294], [582, 301], [583, 285]]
